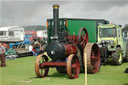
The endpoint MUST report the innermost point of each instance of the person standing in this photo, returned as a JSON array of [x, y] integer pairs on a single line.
[[2, 56]]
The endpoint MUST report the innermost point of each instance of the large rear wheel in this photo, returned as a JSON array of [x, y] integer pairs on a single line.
[[93, 57]]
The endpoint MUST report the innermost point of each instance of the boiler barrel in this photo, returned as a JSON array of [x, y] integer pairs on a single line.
[[70, 49]]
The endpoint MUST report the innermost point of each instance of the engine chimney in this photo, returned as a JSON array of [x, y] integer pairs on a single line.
[[56, 20]]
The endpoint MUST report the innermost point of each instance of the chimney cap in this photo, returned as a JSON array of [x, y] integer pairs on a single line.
[[55, 6]]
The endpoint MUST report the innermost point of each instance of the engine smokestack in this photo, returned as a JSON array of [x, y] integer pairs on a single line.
[[56, 20]]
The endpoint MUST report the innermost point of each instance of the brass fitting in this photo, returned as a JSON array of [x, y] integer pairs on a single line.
[[55, 6]]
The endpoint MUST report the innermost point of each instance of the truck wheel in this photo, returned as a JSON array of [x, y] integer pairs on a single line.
[[117, 57], [126, 55], [103, 55]]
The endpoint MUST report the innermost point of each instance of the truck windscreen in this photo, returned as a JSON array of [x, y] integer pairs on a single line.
[[107, 32]]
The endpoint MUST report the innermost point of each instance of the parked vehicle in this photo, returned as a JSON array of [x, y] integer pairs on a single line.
[[29, 36], [13, 37], [66, 47], [11, 34], [113, 48]]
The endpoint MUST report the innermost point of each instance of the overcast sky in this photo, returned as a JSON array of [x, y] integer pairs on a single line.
[[35, 12]]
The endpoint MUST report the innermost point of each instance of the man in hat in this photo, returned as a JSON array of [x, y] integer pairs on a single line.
[[2, 56]]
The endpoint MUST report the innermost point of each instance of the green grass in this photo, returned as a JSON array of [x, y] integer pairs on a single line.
[[21, 72]]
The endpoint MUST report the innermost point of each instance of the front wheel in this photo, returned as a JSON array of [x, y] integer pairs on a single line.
[[40, 70], [73, 66]]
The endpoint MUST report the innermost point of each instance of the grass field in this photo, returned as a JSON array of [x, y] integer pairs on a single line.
[[21, 72]]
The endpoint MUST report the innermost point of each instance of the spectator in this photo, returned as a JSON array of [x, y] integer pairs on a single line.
[[2, 56], [30, 48], [37, 47], [33, 50]]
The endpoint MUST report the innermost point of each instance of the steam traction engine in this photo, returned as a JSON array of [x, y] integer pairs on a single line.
[[66, 52]]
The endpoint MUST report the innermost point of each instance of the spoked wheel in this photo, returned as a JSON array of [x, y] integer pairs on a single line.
[[73, 66], [93, 57], [40, 70], [82, 38]]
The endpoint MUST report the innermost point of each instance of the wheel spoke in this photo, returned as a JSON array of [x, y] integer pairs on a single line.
[[84, 37], [74, 66], [83, 45], [75, 71], [82, 42], [41, 71], [92, 57]]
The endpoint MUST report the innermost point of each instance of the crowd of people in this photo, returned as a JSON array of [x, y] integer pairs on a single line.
[[36, 47]]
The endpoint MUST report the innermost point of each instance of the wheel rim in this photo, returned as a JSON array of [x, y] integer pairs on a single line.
[[79, 55], [120, 58], [82, 38], [73, 66], [40, 70], [93, 57], [119, 55]]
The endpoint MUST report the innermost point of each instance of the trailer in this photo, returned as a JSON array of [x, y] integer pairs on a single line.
[[11, 34]]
